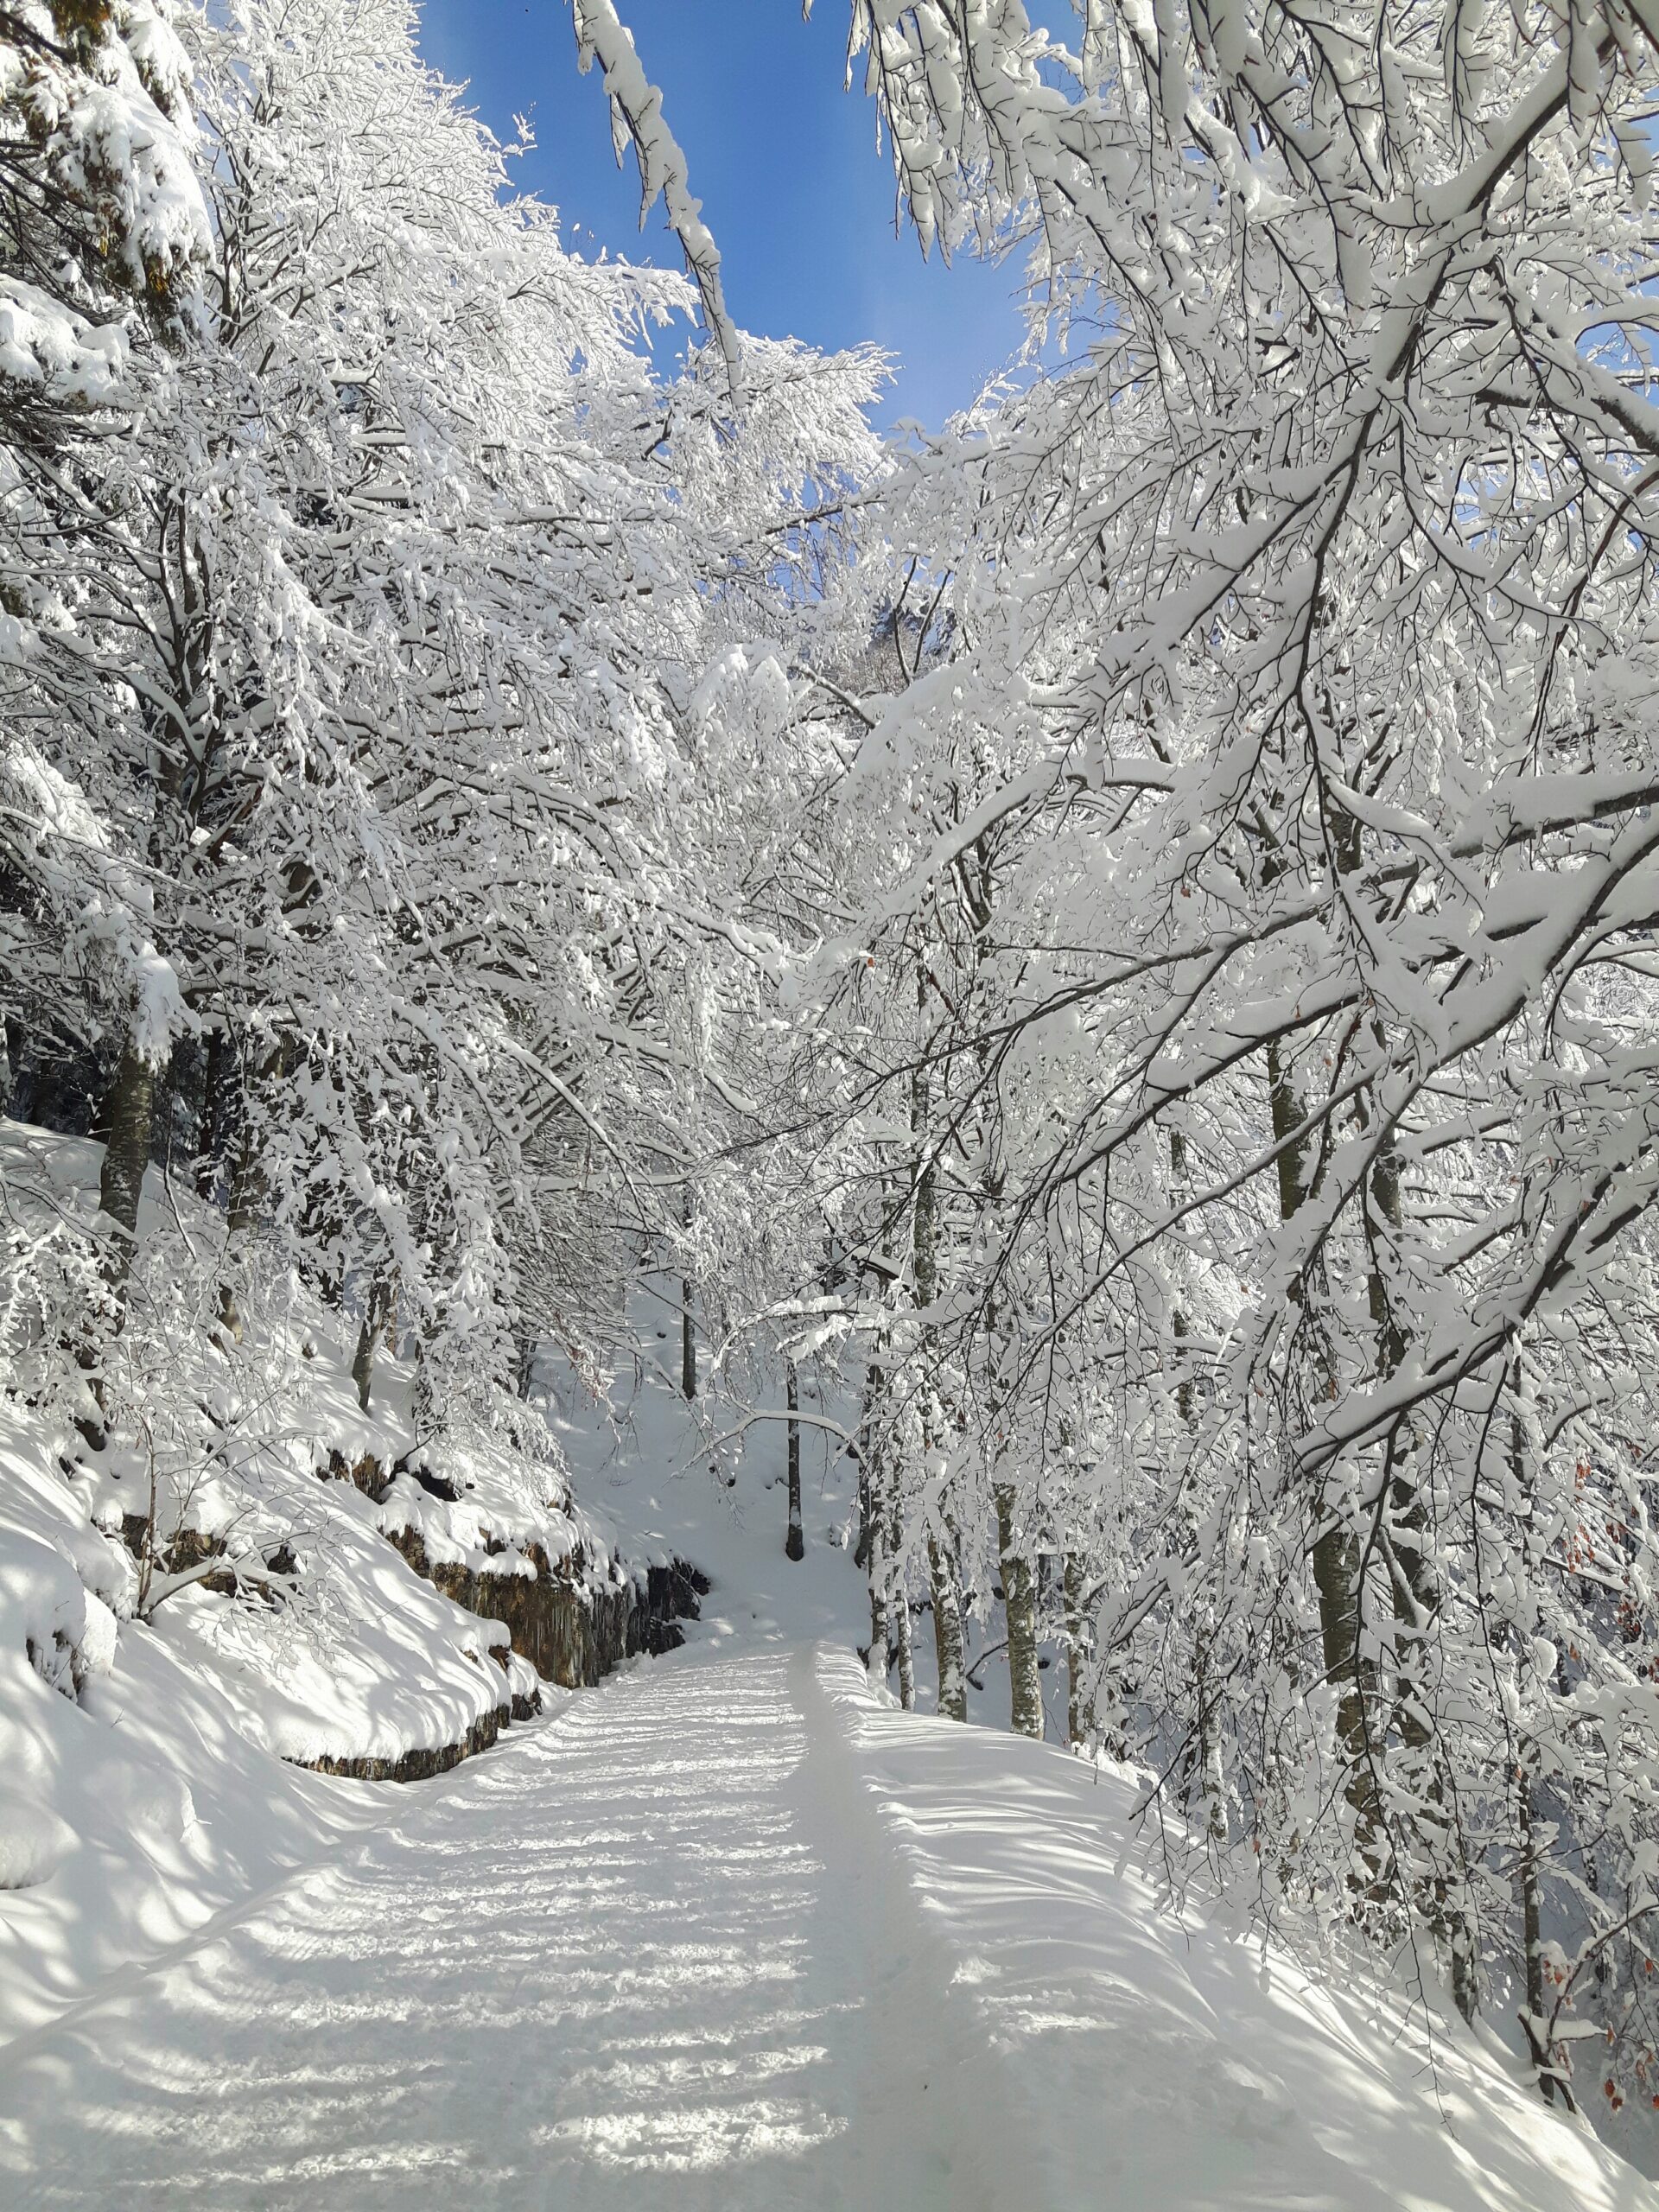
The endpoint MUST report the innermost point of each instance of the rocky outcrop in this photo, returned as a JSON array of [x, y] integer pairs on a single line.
[[574, 1620], [571, 1627], [416, 1765]]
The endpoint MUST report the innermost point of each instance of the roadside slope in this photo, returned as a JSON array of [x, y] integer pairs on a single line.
[[1160, 2064]]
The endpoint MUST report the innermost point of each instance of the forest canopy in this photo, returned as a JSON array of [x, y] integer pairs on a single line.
[[1124, 929]]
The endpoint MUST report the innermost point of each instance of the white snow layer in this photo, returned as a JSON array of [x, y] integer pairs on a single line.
[[145, 1783], [727, 1928]]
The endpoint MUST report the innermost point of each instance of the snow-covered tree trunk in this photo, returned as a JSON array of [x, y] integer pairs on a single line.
[[1335, 1551], [881, 1577], [925, 1234], [1409, 1543], [947, 1632], [688, 1325], [377, 1312], [1079, 1722], [898, 1627]]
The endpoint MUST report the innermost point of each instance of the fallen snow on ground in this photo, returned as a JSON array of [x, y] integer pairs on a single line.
[[145, 1730], [134, 1806], [728, 1932]]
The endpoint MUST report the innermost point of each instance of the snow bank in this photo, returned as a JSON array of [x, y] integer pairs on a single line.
[[1162, 2061], [213, 1598]]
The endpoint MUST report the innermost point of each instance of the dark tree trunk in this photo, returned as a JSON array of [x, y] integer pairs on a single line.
[[1335, 1555], [1020, 1608], [795, 1542], [880, 1596], [218, 1103], [127, 1119], [925, 1233], [688, 1343], [375, 1314], [688, 1328], [1078, 1728]]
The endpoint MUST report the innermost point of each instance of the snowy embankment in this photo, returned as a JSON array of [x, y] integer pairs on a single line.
[[726, 1934], [1155, 2061], [191, 1615]]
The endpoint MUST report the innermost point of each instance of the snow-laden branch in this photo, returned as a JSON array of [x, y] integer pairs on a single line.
[[636, 114]]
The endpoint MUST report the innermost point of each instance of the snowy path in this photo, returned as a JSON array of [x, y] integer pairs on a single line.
[[724, 1932], [662, 1939]]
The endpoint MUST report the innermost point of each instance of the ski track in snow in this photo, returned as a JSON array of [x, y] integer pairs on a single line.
[[660, 1939]]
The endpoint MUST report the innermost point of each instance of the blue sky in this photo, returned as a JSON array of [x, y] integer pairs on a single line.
[[799, 198]]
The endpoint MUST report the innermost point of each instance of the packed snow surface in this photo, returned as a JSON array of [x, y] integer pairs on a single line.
[[729, 1927]]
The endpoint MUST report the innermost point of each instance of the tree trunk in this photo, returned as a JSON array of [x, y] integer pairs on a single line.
[[1336, 1557], [795, 1542], [1079, 1721], [127, 1119], [947, 1633], [1020, 1608], [1552, 2081], [376, 1313], [898, 1619], [879, 1599], [688, 1329], [947, 1607], [218, 1113], [1417, 1600]]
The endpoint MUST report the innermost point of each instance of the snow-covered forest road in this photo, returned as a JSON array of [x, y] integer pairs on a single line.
[[651, 1934], [726, 1931]]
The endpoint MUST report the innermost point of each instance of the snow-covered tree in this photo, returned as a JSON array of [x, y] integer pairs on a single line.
[[1298, 630]]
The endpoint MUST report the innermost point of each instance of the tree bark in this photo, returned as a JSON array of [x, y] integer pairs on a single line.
[[795, 1541], [898, 1619], [947, 1633], [1020, 1608], [1079, 1721], [947, 1606], [688, 1329], [375, 1314], [879, 1652], [1417, 1600], [1335, 1555], [218, 1097], [127, 1119]]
